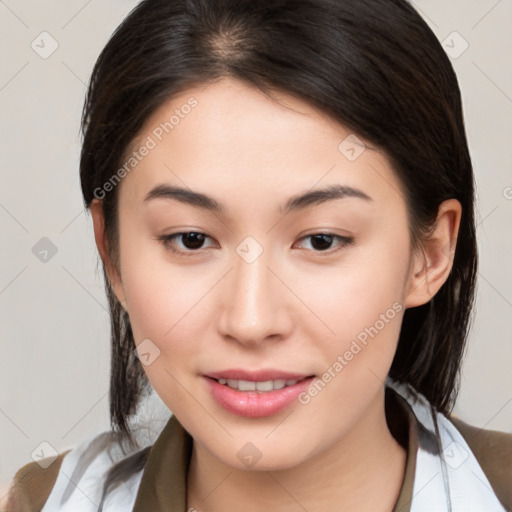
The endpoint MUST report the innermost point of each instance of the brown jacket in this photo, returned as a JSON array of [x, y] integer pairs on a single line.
[[32, 485]]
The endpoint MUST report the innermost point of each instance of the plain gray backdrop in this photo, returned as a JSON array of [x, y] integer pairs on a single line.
[[54, 327]]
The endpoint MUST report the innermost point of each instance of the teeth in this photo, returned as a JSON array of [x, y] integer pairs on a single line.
[[268, 385], [245, 385], [279, 384], [264, 386]]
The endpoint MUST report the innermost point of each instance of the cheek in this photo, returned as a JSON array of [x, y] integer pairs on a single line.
[[355, 295], [165, 307], [357, 359], [160, 297], [362, 304]]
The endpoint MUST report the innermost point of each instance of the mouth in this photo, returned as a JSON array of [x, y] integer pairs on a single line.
[[256, 394]]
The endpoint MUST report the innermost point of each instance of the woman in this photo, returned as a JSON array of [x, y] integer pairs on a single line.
[[282, 198]]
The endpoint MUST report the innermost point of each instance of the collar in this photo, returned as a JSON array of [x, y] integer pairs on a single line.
[[164, 480], [447, 476], [163, 483]]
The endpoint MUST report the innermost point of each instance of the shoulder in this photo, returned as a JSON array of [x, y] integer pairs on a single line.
[[493, 451], [476, 464], [32, 484], [72, 481]]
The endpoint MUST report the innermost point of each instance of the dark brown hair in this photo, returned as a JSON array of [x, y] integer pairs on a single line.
[[373, 65]]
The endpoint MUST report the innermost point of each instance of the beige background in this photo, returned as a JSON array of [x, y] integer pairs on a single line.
[[54, 330]]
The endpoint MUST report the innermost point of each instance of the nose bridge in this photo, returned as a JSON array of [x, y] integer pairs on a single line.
[[253, 305]]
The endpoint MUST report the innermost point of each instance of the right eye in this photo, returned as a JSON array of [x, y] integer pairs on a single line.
[[191, 242]]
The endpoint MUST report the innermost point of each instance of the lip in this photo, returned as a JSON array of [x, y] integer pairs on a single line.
[[256, 375], [254, 404]]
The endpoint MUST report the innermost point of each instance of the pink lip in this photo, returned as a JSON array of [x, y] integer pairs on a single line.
[[256, 376], [256, 404]]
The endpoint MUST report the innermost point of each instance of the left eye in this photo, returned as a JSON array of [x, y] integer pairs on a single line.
[[191, 241], [321, 242]]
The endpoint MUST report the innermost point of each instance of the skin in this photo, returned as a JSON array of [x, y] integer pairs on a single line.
[[295, 308]]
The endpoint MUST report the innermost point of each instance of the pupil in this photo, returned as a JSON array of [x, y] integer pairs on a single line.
[[324, 241], [193, 240]]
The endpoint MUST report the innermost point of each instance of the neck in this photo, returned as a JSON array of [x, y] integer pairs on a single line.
[[363, 471]]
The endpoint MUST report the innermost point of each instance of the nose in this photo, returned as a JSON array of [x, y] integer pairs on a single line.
[[255, 304]]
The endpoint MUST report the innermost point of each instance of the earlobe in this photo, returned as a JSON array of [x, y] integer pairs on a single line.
[[102, 245], [432, 265]]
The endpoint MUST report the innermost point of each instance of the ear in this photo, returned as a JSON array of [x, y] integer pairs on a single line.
[[101, 243], [432, 264]]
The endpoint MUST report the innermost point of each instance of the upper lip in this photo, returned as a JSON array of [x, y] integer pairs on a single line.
[[256, 375]]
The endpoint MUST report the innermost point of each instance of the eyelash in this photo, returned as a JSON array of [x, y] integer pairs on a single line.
[[167, 241]]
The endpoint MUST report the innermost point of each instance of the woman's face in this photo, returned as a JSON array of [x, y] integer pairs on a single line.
[[257, 290]]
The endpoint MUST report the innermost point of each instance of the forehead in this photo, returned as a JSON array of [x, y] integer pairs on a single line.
[[228, 138]]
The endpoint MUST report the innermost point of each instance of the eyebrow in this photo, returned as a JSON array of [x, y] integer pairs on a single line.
[[185, 196], [314, 197], [294, 203]]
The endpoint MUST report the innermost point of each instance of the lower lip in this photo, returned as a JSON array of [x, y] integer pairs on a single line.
[[255, 404]]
